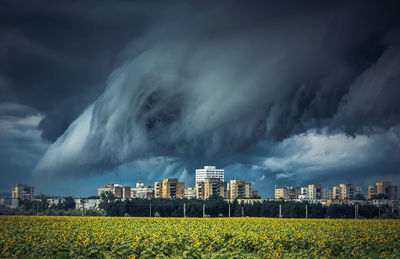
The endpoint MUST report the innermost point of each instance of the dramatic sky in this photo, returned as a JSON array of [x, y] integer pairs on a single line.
[[293, 93]]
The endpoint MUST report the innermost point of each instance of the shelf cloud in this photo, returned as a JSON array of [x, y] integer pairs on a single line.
[[209, 91]]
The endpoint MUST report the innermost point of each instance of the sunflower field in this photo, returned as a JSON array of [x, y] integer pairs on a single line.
[[108, 237]]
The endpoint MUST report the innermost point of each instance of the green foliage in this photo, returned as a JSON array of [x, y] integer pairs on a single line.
[[111, 237]]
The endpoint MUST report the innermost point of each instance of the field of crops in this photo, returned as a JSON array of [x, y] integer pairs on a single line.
[[98, 237]]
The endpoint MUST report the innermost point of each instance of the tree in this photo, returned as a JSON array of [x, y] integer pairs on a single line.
[[381, 196], [69, 203], [107, 203], [359, 197]]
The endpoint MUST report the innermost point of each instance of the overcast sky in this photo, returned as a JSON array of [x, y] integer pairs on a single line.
[[293, 93]]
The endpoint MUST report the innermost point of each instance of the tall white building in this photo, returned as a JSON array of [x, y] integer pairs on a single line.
[[209, 172]]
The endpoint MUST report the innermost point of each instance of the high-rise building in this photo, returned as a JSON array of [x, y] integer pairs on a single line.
[[385, 188], [199, 190], [126, 192], [169, 188], [289, 193], [336, 193], [214, 186], [248, 190], [237, 189], [22, 191], [347, 191], [209, 172], [357, 191], [326, 193], [157, 189], [314, 191], [240, 189], [371, 191], [115, 189]]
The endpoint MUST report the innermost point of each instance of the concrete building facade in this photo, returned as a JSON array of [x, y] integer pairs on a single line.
[[169, 188], [115, 189], [209, 172], [22, 191], [385, 188]]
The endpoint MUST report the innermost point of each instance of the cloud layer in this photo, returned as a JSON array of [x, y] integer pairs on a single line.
[[209, 91]]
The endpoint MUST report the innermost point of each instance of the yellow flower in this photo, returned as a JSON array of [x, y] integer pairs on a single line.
[[328, 251], [197, 244]]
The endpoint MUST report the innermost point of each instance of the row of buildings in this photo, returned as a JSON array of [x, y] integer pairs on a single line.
[[209, 181], [340, 192]]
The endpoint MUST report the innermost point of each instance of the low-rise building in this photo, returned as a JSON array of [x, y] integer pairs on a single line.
[[190, 193], [86, 203], [10, 203], [115, 189], [142, 191]]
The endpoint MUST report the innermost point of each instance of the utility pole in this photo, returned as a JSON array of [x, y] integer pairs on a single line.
[[229, 209], [83, 207], [184, 210], [204, 210], [355, 210], [150, 210], [306, 211], [280, 210], [379, 211]]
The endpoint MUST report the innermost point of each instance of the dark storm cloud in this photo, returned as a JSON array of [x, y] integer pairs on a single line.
[[208, 85], [56, 55], [263, 88]]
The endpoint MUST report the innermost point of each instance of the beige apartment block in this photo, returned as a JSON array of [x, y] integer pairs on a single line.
[[347, 191], [169, 188]]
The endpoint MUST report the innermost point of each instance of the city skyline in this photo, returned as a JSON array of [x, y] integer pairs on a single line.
[[312, 191], [274, 93]]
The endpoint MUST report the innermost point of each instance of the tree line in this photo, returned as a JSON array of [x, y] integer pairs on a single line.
[[216, 206]]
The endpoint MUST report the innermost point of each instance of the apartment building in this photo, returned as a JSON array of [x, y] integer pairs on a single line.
[[126, 192], [371, 191], [336, 193], [215, 186], [326, 193], [190, 192], [169, 188], [209, 172], [142, 191], [289, 193], [115, 189], [347, 191], [22, 191], [385, 188], [239, 189], [314, 191]]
